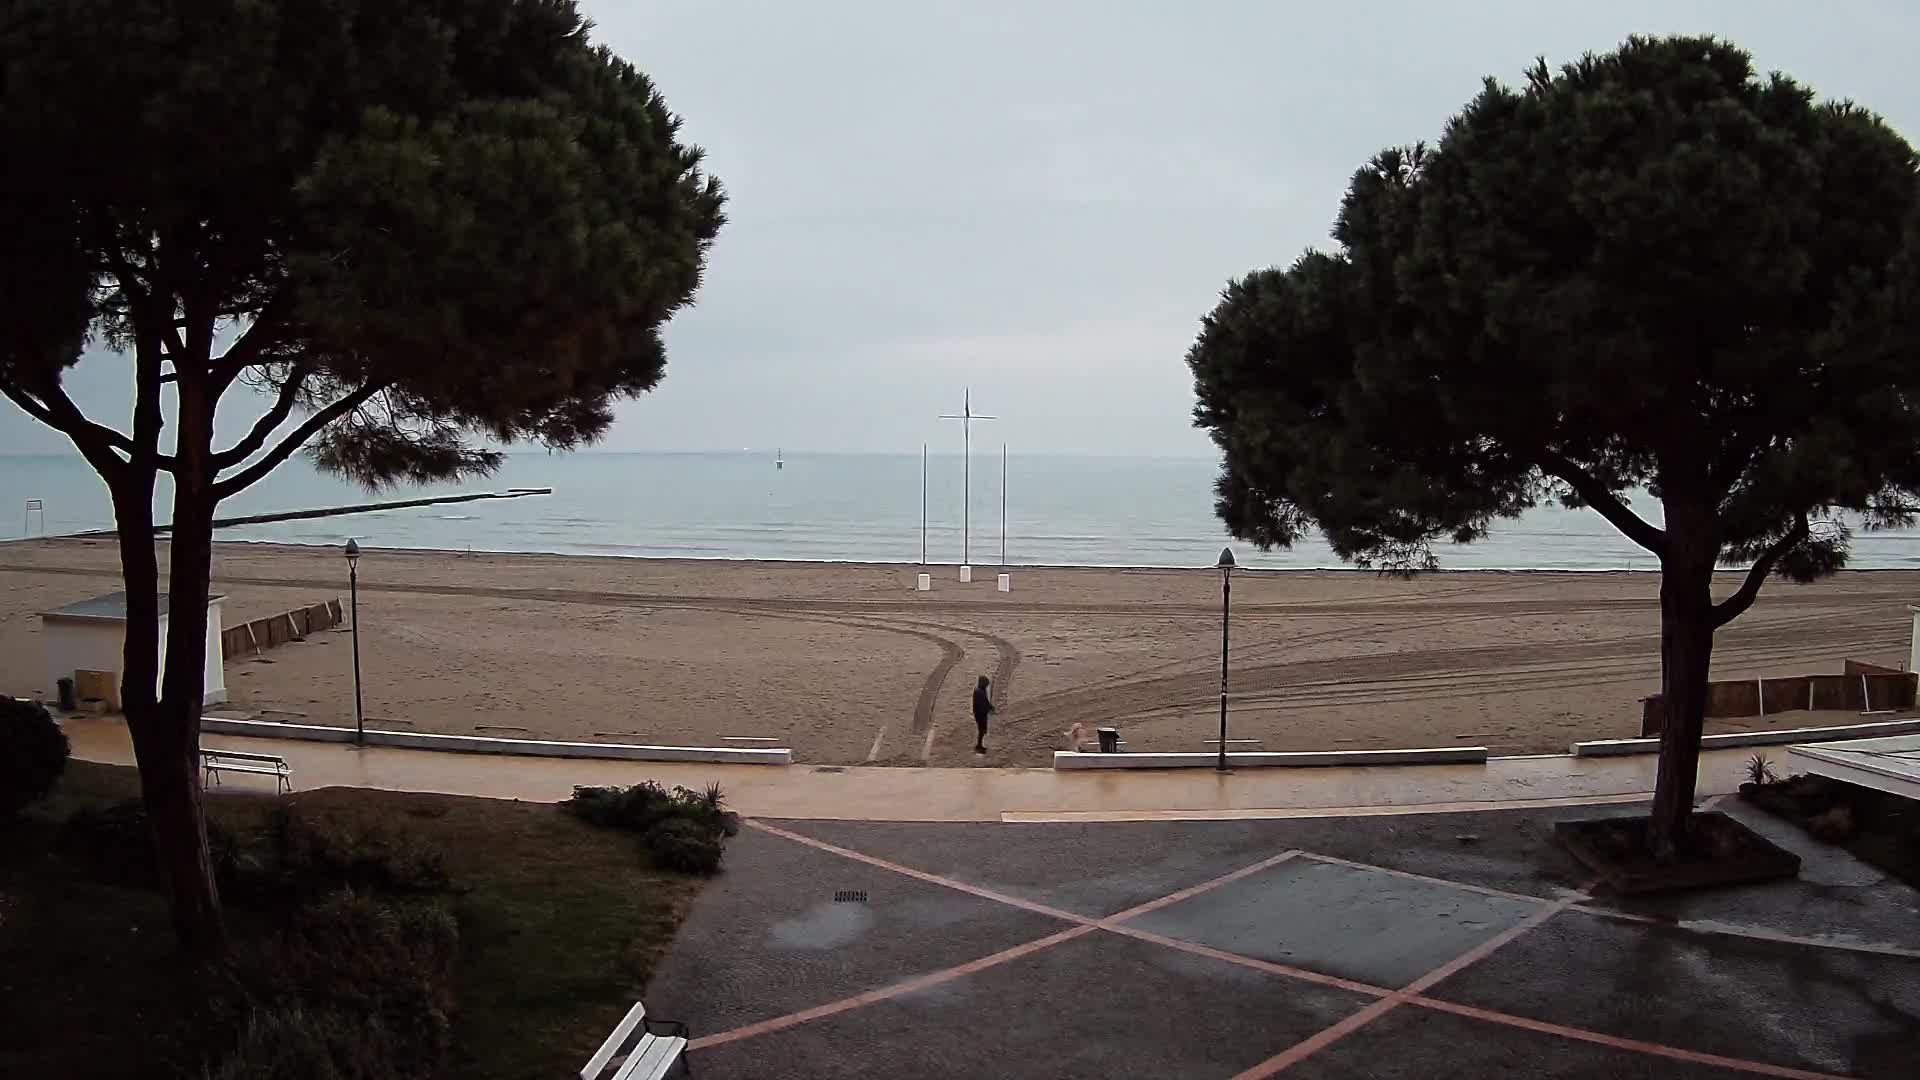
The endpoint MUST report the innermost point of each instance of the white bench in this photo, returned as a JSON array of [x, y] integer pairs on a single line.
[[638, 1052], [216, 762]]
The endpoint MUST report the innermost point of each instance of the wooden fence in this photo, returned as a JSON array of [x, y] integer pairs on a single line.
[[1862, 688], [260, 635]]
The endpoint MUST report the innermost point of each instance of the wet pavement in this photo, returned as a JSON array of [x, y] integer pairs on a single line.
[[1431, 946]]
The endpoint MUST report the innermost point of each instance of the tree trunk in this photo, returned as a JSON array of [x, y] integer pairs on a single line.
[[166, 747], [167, 737], [1686, 654]]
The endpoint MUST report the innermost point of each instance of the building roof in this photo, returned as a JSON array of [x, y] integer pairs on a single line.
[[1891, 764], [112, 607]]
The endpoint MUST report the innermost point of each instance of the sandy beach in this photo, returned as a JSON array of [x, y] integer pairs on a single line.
[[847, 664]]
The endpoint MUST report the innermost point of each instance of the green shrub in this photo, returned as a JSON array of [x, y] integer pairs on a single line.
[[292, 856], [679, 829], [638, 808], [685, 845], [386, 969], [33, 754]]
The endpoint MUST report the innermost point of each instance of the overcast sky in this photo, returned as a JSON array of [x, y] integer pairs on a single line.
[[1039, 200]]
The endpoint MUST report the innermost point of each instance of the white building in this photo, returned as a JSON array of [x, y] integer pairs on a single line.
[[91, 636]]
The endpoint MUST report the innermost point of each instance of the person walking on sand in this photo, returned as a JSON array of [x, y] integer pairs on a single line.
[[982, 708]]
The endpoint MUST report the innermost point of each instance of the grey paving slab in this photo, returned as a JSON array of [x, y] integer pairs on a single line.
[[1098, 1006], [1791, 1005], [1420, 1044], [1101, 868], [1090, 869], [1836, 896], [768, 938], [1359, 924]]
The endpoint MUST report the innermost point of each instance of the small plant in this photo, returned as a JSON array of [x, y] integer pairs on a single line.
[[33, 754], [1760, 770], [680, 829], [685, 845]]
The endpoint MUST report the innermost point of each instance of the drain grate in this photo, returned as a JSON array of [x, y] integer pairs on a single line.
[[850, 896]]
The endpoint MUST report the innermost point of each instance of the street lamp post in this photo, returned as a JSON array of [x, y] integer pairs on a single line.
[[353, 589], [1225, 566]]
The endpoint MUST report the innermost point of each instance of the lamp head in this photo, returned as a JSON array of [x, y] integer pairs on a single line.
[[1226, 562], [353, 551]]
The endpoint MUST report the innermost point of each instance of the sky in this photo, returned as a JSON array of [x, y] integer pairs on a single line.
[[1038, 201]]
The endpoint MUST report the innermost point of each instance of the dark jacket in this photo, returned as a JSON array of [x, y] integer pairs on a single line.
[[982, 704]]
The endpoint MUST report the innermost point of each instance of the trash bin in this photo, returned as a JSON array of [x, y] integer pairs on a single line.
[[1109, 740], [68, 702]]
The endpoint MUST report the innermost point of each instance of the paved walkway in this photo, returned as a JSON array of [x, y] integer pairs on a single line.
[[973, 794], [1426, 946]]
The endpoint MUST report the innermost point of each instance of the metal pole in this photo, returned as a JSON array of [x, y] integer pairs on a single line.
[[1003, 506], [966, 489], [1226, 606], [923, 505], [359, 716]]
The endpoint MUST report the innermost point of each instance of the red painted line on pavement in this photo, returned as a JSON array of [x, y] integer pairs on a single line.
[[1481, 889], [1635, 1045], [922, 875], [1253, 962], [1313, 1044], [908, 986], [1195, 890], [1386, 1000], [1751, 933]]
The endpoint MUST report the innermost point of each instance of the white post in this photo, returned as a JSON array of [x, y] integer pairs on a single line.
[[1760, 692], [1003, 507], [1913, 650], [923, 504]]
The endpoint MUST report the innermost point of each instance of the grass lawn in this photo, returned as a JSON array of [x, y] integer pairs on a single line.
[[560, 925]]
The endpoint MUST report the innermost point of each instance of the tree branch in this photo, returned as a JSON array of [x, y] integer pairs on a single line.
[[264, 427], [95, 442], [56, 410], [1596, 495], [260, 335], [242, 480], [1730, 609]]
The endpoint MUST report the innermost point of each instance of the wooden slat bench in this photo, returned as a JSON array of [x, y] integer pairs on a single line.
[[635, 1052], [216, 762]]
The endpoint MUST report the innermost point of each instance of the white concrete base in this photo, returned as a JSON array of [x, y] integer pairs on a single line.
[[966, 573], [923, 583], [1005, 583], [1620, 747], [1242, 759], [476, 744]]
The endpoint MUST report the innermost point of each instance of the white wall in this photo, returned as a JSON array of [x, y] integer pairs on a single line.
[[69, 645]]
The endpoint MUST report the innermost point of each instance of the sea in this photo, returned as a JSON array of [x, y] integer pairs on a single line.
[[1051, 510]]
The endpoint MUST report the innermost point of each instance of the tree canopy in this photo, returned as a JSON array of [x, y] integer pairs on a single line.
[[421, 229], [1650, 269], [410, 223]]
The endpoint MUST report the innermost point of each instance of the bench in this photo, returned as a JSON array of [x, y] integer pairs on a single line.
[[638, 1052], [216, 762]]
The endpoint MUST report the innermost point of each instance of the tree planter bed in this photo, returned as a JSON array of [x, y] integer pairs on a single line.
[[1718, 851]]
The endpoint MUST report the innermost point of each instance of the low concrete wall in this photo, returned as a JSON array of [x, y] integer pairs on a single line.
[[1620, 747], [1446, 755], [476, 744]]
